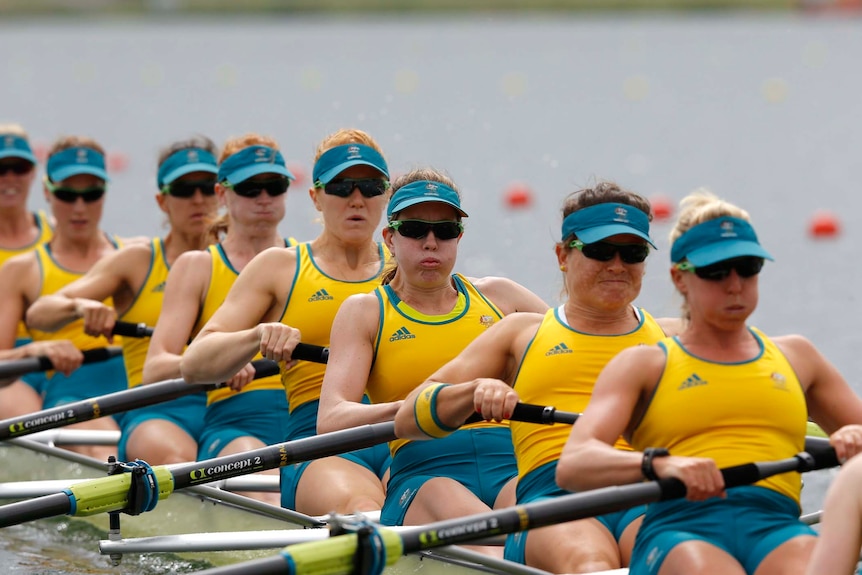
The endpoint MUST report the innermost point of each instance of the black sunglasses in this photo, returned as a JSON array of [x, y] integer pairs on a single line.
[[418, 229], [605, 251], [19, 167], [745, 266], [252, 189], [180, 189], [368, 187], [71, 195]]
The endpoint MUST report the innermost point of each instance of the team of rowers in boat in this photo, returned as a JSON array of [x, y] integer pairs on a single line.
[[411, 340]]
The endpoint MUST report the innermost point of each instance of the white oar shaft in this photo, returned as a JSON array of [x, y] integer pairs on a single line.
[[77, 437]]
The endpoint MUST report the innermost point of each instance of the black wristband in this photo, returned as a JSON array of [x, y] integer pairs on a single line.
[[651, 453]]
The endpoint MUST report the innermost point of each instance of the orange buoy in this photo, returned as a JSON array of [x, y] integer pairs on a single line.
[[662, 208], [824, 224], [298, 172], [518, 196], [117, 162], [41, 152]]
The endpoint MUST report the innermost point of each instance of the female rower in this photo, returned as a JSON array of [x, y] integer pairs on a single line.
[[247, 414], [21, 231], [553, 359], [719, 394], [75, 185], [134, 280], [383, 341], [284, 292]]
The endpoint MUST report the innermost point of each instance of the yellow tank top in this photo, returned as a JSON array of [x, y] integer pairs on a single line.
[[559, 369], [145, 309], [222, 277], [733, 413], [411, 346], [312, 302], [45, 234], [55, 277]]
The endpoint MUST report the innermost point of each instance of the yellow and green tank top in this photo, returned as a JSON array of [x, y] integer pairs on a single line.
[[559, 368], [222, 277], [312, 303], [145, 309], [733, 413], [46, 232], [410, 346], [53, 278]]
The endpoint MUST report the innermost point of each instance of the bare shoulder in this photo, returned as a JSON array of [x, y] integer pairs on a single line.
[[192, 259], [135, 241], [132, 254], [795, 345], [671, 325], [509, 295]]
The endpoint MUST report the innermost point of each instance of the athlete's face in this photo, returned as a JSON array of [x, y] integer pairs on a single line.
[[724, 303], [428, 260], [190, 214], [355, 218], [602, 285]]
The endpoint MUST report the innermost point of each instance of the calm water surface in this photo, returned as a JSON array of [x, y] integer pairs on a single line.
[[763, 109]]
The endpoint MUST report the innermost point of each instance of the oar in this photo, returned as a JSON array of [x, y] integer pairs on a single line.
[[18, 367], [129, 329], [140, 396], [383, 547], [118, 493]]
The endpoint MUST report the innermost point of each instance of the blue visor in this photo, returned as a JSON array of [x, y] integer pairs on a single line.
[[334, 161], [717, 240], [595, 223], [14, 146], [184, 162], [250, 162], [75, 161], [423, 191]]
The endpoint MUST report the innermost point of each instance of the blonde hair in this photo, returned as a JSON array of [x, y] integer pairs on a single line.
[[700, 206], [343, 137], [13, 130], [416, 175], [66, 142]]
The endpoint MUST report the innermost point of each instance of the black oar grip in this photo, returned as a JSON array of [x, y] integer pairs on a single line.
[[265, 368], [309, 352], [101, 354], [531, 413], [128, 329]]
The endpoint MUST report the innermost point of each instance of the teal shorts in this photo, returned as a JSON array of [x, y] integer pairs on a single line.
[[186, 412], [541, 484], [36, 379], [482, 460], [303, 423], [89, 380], [261, 414], [749, 524]]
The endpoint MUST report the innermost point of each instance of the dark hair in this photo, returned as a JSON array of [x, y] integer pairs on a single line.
[[415, 175], [66, 142], [604, 192]]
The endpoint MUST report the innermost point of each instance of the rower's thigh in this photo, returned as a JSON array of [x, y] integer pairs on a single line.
[[697, 557], [18, 398], [789, 558], [575, 547], [442, 498], [335, 484]]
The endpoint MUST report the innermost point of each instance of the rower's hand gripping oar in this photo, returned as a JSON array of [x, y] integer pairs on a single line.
[[19, 367], [140, 396], [337, 555]]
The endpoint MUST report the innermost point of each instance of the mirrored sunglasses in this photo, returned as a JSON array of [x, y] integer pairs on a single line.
[[368, 187], [17, 167], [418, 229], [252, 189], [605, 251], [181, 189], [745, 266]]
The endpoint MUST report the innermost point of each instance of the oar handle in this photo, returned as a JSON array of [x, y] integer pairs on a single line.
[[129, 329], [532, 413], [17, 367], [310, 352]]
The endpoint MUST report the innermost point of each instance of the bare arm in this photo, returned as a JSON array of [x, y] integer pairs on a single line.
[[247, 321], [117, 275], [480, 377], [351, 350], [837, 548], [832, 404], [509, 296], [184, 292], [589, 459]]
